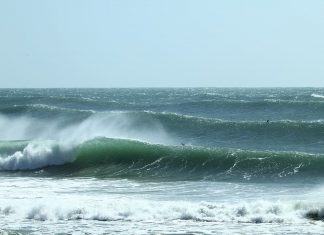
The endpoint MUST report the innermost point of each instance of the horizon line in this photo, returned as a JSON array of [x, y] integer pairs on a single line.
[[165, 87]]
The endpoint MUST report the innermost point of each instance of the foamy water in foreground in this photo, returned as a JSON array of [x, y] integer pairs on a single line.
[[47, 206]]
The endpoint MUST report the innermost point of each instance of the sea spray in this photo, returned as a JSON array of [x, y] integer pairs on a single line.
[[112, 124]]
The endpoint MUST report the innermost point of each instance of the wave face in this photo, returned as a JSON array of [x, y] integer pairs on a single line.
[[120, 158], [196, 134]]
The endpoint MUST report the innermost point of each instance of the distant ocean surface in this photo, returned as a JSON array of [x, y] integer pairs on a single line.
[[162, 161]]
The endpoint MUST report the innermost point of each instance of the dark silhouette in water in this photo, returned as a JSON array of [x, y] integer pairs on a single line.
[[268, 121], [183, 144]]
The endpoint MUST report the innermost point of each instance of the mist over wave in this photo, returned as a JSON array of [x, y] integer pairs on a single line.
[[74, 127], [111, 125]]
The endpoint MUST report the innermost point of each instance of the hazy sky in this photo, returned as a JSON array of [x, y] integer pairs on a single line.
[[137, 43]]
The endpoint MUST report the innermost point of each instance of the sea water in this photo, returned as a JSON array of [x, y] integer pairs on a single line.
[[162, 161]]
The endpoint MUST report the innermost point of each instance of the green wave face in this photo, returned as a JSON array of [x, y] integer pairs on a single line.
[[105, 158], [124, 158]]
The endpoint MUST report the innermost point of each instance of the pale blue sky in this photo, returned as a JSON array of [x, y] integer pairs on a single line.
[[167, 43]]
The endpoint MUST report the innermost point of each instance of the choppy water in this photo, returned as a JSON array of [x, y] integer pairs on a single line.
[[198, 160]]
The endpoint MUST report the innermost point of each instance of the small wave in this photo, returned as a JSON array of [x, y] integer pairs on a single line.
[[317, 95], [53, 108], [182, 117]]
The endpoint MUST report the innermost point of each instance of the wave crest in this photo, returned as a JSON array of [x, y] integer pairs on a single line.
[[36, 155]]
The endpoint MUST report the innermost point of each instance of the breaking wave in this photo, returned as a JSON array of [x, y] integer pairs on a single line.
[[121, 158]]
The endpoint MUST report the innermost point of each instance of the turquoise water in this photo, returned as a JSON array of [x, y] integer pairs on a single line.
[[165, 161]]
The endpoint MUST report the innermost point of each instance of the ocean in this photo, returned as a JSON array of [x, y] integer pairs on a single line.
[[162, 161]]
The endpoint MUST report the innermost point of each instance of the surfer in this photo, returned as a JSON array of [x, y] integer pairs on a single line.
[[268, 121]]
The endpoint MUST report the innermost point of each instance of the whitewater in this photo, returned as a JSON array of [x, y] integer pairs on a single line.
[[162, 161]]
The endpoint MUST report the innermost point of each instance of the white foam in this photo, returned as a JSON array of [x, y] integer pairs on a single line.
[[146, 210], [36, 155], [44, 205], [317, 95]]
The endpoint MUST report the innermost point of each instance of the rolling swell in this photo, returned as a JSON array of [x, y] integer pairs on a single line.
[[177, 119], [215, 106], [105, 158], [282, 135]]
